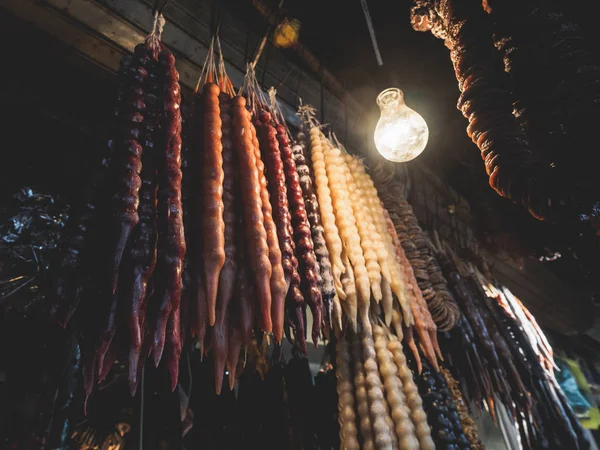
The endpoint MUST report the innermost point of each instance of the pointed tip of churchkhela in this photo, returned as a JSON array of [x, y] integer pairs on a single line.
[[109, 360], [173, 346], [134, 358], [105, 357], [220, 352], [409, 337], [157, 352], [133, 385], [299, 328], [174, 372], [231, 379], [219, 377], [89, 370], [233, 354], [315, 340], [160, 332], [124, 227]]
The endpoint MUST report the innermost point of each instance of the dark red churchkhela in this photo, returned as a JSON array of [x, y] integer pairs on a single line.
[[131, 134], [316, 228], [269, 147], [308, 265], [174, 246], [127, 163], [142, 260]]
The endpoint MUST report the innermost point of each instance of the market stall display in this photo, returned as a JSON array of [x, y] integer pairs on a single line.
[[224, 225]]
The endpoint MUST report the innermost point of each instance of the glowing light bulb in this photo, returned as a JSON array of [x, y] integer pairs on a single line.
[[401, 133]]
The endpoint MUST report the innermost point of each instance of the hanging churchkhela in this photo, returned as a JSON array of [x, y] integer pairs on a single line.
[[300, 149], [308, 266], [376, 277], [416, 249], [516, 170], [145, 220], [468, 425], [373, 374]]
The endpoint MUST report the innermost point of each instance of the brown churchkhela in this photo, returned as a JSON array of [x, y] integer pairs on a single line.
[[308, 265], [228, 273], [253, 215], [276, 185], [213, 227], [279, 286]]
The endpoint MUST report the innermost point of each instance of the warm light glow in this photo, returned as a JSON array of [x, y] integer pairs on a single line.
[[401, 133]]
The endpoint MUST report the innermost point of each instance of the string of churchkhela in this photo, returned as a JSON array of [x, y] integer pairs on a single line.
[[270, 230]]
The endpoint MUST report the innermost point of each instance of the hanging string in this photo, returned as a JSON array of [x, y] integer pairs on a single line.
[[255, 96], [263, 41], [154, 38], [225, 83], [307, 114], [208, 69], [276, 110]]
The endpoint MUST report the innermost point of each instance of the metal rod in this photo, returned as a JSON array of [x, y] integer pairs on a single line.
[[371, 32], [260, 48], [263, 42]]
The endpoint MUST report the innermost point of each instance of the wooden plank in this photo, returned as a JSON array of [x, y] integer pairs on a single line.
[[183, 16], [103, 30], [67, 30]]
